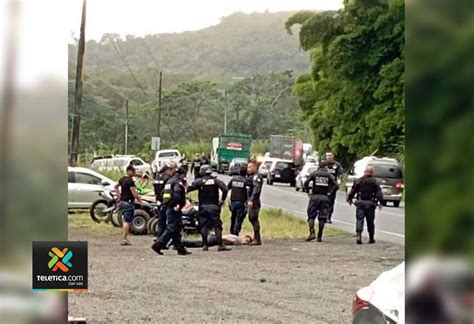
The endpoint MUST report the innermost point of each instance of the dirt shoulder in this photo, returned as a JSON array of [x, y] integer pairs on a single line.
[[281, 281]]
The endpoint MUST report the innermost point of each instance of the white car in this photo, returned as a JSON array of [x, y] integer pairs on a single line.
[[308, 168], [265, 166], [383, 301], [84, 186], [163, 157], [120, 163]]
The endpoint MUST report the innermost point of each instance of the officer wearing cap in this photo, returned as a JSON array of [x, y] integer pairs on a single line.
[[238, 186], [196, 167], [210, 205], [369, 195], [335, 169], [174, 198], [322, 186]]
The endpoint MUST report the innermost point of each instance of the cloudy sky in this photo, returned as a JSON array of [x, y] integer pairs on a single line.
[[45, 27]]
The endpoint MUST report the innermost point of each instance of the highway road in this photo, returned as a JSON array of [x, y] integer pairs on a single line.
[[389, 223]]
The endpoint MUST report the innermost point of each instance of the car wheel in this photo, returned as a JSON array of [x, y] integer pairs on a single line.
[[139, 222], [396, 203], [97, 211]]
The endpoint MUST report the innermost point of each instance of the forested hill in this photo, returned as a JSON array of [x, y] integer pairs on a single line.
[[240, 45]]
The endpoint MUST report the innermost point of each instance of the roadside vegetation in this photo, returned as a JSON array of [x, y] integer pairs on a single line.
[[275, 224]]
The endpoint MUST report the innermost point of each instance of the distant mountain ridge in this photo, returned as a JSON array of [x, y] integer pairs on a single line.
[[240, 45]]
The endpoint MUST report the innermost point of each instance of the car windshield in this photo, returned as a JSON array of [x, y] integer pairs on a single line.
[[387, 171], [167, 154], [283, 165]]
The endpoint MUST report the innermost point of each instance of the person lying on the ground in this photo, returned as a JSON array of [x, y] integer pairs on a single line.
[[228, 239]]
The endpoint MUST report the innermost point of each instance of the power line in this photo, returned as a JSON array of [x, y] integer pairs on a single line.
[[124, 61], [151, 56]]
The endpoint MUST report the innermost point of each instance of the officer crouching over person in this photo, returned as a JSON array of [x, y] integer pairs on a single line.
[[174, 198], [323, 186], [369, 195], [238, 187], [210, 205]]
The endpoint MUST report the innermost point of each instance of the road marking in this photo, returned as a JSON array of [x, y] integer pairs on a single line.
[[334, 220]]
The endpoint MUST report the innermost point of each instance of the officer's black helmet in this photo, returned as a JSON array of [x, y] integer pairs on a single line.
[[205, 169]]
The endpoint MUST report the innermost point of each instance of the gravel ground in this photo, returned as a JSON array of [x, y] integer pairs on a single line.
[[282, 281]]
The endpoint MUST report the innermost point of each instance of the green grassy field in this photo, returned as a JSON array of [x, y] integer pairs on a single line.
[[274, 224]]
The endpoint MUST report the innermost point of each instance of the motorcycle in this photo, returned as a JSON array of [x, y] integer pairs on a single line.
[[189, 218], [113, 214]]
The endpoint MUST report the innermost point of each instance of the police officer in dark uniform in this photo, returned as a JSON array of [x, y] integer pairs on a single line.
[[196, 167], [323, 185], [210, 205], [204, 160], [238, 186], [174, 197], [369, 195], [335, 169], [255, 182], [184, 162], [158, 186]]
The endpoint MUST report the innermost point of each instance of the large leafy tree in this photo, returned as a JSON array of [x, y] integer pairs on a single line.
[[353, 94]]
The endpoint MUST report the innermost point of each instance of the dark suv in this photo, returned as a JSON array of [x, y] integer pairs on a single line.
[[282, 171]]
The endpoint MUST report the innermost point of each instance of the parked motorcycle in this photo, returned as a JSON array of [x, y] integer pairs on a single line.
[[100, 209], [189, 218]]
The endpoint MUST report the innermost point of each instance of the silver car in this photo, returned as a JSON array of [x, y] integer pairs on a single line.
[[84, 186], [308, 168]]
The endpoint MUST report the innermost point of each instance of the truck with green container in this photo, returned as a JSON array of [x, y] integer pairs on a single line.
[[231, 147]]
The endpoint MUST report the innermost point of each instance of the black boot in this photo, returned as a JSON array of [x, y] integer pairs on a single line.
[[205, 248], [157, 247], [257, 240], [359, 238], [320, 231], [371, 238], [311, 236], [182, 251]]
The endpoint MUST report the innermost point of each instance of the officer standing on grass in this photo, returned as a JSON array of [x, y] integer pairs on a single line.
[[174, 197], [323, 186], [184, 162], [196, 166], [335, 169], [238, 186], [254, 204], [369, 195], [210, 205]]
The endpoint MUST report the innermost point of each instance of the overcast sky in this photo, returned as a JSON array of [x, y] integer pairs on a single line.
[[46, 26], [141, 17]]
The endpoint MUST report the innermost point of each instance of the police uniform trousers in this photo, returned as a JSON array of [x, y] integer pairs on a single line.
[[365, 209], [209, 217]]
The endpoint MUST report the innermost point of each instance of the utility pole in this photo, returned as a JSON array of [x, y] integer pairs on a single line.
[[159, 105], [225, 111], [76, 122], [126, 126]]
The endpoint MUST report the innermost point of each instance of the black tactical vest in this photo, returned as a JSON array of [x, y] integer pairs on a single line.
[[208, 192], [239, 189], [321, 183]]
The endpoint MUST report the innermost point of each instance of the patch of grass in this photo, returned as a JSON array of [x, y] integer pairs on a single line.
[[83, 221], [274, 223]]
